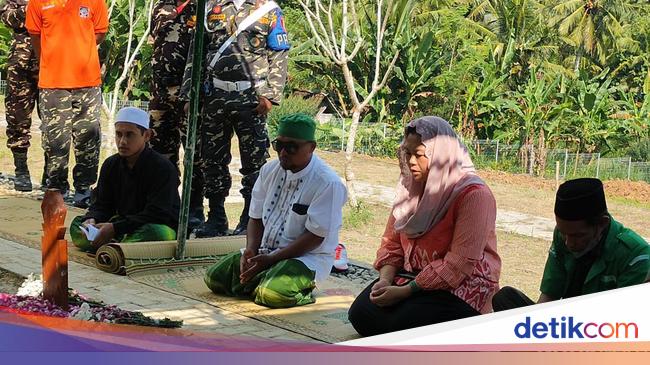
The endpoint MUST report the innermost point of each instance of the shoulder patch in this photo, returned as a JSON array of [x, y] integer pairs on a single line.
[[630, 239], [278, 40]]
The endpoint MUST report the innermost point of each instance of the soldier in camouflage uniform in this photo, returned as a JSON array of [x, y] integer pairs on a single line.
[[172, 25], [22, 90], [241, 85], [62, 120]]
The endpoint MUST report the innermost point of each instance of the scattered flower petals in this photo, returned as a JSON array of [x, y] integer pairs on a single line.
[[29, 299]]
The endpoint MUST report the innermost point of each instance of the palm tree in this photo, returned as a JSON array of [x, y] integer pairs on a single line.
[[515, 27], [594, 27]]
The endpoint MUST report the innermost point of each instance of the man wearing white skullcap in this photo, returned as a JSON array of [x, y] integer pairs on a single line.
[[136, 198]]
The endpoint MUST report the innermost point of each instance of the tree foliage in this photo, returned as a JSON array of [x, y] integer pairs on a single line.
[[539, 73]]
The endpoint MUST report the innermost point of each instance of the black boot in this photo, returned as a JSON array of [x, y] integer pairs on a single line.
[[23, 181], [243, 219], [196, 217], [217, 223]]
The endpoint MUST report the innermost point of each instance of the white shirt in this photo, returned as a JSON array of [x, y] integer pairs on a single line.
[[238, 3], [291, 203]]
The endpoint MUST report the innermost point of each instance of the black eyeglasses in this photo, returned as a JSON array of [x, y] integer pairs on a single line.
[[290, 147]]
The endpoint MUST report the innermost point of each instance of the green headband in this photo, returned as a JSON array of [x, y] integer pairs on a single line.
[[298, 126]]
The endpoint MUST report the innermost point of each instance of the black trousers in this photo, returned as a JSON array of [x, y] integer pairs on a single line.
[[510, 298], [420, 309]]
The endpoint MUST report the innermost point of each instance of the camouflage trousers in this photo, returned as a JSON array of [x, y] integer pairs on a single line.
[[20, 100], [169, 122], [71, 114], [288, 283], [225, 113]]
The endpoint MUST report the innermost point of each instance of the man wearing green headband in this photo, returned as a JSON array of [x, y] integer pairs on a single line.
[[292, 233]]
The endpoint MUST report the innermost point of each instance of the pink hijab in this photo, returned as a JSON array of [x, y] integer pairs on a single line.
[[419, 208]]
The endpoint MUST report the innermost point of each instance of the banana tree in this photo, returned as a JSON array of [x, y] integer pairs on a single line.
[[590, 116], [532, 107], [479, 102], [417, 68]]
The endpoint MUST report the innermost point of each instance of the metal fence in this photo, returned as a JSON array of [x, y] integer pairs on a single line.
[[571, 165], [121, 103], [376, 139]]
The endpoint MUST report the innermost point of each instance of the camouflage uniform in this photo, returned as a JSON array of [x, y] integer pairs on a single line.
[[71, 113], [22, 77], [172, 35], [255, 56], [22, 89]]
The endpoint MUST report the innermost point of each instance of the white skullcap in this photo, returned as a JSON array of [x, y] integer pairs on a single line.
[[133, 115]]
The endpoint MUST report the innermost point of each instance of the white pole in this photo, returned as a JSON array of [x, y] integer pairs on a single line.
[[496, 158], [629, 168], [557, 175], [598, 166]]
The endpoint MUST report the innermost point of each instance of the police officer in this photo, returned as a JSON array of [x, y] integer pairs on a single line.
[[172, 27], [22, 90], [244, 74]]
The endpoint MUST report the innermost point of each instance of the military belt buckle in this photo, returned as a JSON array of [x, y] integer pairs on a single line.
[[235, 86]]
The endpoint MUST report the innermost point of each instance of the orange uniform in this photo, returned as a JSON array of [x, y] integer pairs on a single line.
[[69, 58]]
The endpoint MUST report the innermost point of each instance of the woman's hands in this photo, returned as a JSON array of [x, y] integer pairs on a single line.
[[387, 295]]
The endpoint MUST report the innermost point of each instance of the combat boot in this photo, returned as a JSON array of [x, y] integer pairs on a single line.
[[243, 219], [23, 181], [217, 223], [196, 216], [81, 198]]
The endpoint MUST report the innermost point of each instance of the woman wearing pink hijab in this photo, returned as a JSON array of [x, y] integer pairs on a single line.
[[438, 258]]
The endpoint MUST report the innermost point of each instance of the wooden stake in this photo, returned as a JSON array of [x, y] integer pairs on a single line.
[[54, 249]]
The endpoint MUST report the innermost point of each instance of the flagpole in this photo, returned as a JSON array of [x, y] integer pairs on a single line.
[[190, 145]]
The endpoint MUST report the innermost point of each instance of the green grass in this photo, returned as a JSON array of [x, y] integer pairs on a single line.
[[357, 217]]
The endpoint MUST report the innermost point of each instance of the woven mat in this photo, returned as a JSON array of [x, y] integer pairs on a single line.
[[116, 257], [326, 320]]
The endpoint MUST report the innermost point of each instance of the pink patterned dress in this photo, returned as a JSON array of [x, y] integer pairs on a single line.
[[458, 254]]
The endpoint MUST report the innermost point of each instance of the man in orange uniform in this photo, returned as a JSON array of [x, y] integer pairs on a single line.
[[65, 34]]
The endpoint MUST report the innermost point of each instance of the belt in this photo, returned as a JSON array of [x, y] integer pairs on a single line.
[[236, 85]]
